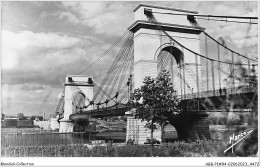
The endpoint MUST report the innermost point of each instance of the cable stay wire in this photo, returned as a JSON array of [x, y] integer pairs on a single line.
[[112, 98], [105, 53], [124, 72], [153, 20], [108, 100], [114, 69], [104, 93], [130, 75], [123, 97], [121, 66], [97, 76], [60, 102], [112, 77], [123, 69], [116, 102], [111, 69]]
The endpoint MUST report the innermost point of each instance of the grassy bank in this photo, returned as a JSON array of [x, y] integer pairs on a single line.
[[176, 149]]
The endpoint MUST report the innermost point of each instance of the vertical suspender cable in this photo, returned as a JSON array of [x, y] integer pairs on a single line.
[[233, 69], [180, 65], [171, 68], [213, 77], [219, 73], [230, 75], [248, 61], [180, 78], [207, 70], [183, 67], [197, 72]]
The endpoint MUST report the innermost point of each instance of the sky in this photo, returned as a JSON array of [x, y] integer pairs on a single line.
[[42, 42]]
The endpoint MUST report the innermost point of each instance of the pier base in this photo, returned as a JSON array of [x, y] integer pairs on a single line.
[[66, 126], [137, 131]]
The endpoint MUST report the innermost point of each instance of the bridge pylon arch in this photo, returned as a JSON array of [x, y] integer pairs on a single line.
[[170, 47], [170, 57], [75, 85]]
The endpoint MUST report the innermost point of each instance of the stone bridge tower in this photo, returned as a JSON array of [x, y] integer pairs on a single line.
[[78, 93], [151, 44]]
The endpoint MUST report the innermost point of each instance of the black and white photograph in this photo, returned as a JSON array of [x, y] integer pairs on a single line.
[[129, 79]]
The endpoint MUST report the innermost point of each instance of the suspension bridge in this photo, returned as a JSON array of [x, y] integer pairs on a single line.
[[207, 75]]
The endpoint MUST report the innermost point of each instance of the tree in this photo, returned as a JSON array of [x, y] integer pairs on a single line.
[[40, 118], [32, 118], [20, 116], [156, 101]]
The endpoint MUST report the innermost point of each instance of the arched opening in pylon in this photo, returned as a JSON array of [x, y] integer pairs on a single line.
[[78, 101], [175, 52], [171, 58]]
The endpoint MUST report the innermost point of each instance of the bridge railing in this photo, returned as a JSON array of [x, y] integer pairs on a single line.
[[221, 92]]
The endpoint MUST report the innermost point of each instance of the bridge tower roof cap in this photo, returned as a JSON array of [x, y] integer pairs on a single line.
[[163, 7], [87, 76]]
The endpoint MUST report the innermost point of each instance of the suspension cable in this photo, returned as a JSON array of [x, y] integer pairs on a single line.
[[227, 47], [209, 16], [226, 20], [153, 20]]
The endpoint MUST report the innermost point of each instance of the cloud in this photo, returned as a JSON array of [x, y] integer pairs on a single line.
[[70, 17], [14, 43], [88, 9], [25, 39], [104, 17], [237, 35], [29, 57], [33, 87], [61, 15], [33, 62]]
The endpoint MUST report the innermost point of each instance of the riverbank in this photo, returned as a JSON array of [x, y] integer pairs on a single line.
[[176, 149]]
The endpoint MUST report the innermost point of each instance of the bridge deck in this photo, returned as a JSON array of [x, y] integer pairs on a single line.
[[229, 91], [216, 97]]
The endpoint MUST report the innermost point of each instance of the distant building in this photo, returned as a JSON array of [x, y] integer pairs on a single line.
[[54, 124], [42, 124], [10, 122], [15, 123]]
